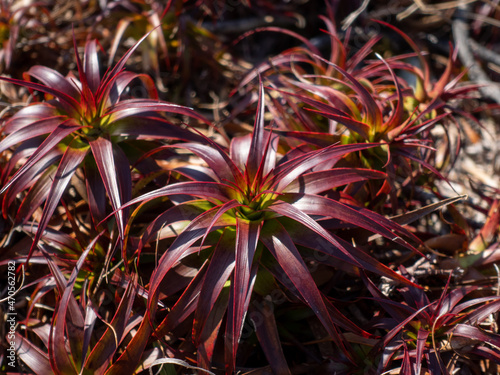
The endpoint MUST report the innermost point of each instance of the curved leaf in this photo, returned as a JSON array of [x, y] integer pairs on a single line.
[[279, 243], [317, 182], [66, 169]]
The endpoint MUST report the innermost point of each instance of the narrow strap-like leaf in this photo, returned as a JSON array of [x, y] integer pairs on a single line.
[[221, 266], [256, 153], [103, 351], [60, 357], [267, 334], [32, 356], [35, 129], [247, 236], [66, 169], [91, 66], [279, 243], [102, 149], [318, 182], [57, 135]]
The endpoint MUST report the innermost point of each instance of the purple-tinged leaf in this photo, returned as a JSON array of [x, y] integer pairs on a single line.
[[301, 217], [60, 358], [211, 330], [193, 232], [247, 236], [35, 129], [124, 78], [36, 195], [413, 45], [374, 115], [102, 149], [71, 105], [275, 61], [267, 334], [287, 172], [318, 182], [474, 333], [479, 314], [256, 155], [29, 177], [110, 76], [318, 205], [62, 131], [384, 342], [414, 215], [422, 336], [133, 107], [397, 116], [197, 173], [184, 306], [27, 115], [102, 353], [309, 239], [183, 212], [128, 362], [221, 210], [207, 190], [217, 160], [88, 330], [96, 192], [91, 66], [151, 127], [279, 243], [356, 126], [332, 112], [314, 138], [66, 169], [220, 267], [31, 355], [53, 79], [239, 150]]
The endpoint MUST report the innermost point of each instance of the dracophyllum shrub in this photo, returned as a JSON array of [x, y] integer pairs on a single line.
[[83, 123], [248, 213]]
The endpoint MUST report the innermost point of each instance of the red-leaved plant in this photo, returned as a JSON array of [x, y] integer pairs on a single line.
[[85, 122], [425, 334], [257, 210]]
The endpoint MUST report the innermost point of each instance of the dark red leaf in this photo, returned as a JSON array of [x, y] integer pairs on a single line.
[[317, 182], [31, 355], [67, 167], [102, 353], [219, 269], [102, 149], [279, 243], [62, 131], [247, 236], [267, 334]]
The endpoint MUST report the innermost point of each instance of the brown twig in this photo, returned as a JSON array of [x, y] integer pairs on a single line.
[[463, 42]]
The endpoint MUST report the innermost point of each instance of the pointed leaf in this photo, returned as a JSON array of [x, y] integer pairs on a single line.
[[103, 351], [62, 131], [66, 169], [247, 236], [60, 357], [256, 153], [220, 267], [267, 334], [318, 182], [91, 63], [31, 355], [35, 129], [102, 149], [71, 105], [281, 246]]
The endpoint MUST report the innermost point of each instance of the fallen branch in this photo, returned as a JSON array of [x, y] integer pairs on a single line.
[[463, 43]]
